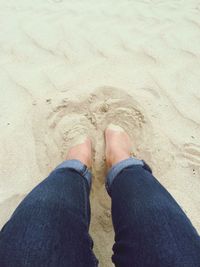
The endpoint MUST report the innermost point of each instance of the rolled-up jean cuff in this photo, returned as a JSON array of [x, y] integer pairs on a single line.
[[117, 168], [78, 166]]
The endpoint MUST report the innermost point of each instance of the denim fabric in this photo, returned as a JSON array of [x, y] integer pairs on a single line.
[[77, 165], [151, 230], [50, 227], [117, 168]]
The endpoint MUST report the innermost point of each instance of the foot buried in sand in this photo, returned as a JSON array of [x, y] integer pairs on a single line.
[[118, 144], [82, 152]]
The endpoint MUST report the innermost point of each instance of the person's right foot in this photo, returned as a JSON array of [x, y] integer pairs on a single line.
[[81, 152], [118, 145]]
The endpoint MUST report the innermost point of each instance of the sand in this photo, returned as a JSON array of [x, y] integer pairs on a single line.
[[67, 67]]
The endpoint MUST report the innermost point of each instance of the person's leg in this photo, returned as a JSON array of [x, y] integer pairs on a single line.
[[50, 227], [151, 230]]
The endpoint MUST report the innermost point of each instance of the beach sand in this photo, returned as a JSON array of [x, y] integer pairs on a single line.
[[71, 66]]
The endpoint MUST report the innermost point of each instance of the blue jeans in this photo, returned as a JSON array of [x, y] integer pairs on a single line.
[[50, 226]]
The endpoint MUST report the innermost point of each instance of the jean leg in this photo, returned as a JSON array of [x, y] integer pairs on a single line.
[[50, 226], [151, 230]]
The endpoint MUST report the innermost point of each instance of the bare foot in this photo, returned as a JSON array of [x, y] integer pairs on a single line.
[[82, 152], [118, 145]]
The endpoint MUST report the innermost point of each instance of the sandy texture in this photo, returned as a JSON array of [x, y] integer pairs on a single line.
[[90, 63]]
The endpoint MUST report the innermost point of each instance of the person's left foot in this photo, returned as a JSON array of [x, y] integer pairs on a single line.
[[82, 152]]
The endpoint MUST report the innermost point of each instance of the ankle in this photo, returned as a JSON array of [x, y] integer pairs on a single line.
[[114, 159], [81, 152]]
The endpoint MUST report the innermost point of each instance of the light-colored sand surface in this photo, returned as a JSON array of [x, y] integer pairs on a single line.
[[89, 63]]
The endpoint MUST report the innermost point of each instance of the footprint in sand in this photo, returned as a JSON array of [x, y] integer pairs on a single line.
[[192, 153]]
